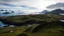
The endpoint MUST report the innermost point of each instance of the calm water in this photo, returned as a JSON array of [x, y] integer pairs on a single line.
[[1, 24], [12, 14], [62, 20], [7, 14]]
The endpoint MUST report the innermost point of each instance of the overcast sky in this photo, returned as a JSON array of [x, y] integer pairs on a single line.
[[27, 5]]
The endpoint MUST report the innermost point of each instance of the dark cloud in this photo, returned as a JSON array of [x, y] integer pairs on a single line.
[[6, 0], [9, 0], [11, 5], [57, 5], [27, 7], [5, 4]]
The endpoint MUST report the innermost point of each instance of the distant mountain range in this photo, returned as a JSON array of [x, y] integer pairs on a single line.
[[10, 12], [6, 12], [44, 11], [56, 11]]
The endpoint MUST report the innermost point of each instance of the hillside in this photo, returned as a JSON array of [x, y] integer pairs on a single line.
[[29, 19], [33, 25], [47, 29]]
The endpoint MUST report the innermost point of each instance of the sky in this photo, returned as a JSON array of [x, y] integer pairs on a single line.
[[27, 6]]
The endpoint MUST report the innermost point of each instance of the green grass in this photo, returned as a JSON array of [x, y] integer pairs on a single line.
[[17, 30], [53, 31], [40, 17], [32, 28], [47, 30]]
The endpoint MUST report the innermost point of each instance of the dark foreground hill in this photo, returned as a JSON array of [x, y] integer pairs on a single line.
[[55, 28]]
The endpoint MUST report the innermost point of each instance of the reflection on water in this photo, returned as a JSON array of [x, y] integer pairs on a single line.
[[12, 14], [7, 14], [62, 20]]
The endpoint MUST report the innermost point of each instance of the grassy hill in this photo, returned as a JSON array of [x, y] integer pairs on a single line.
[[30, 19], [33, 25], [49, 29]]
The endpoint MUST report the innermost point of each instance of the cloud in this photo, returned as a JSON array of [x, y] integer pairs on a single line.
[[11, 5], [5, 4], [57, 5], [37, 5], [10, 0], [28, 7]]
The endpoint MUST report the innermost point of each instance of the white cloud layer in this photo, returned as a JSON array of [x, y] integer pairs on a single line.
[[29, 5]]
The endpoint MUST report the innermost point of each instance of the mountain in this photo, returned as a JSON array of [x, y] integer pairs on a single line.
[[44, 11], [6, 13], [57, 11]]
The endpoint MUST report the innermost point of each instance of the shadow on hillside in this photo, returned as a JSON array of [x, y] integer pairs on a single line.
[[5, 21], [48, 25], [23, 34]]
